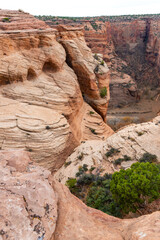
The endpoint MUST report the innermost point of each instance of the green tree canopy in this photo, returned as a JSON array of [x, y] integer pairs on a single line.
[[136, 186]]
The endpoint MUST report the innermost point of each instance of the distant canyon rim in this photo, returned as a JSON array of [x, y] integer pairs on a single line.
[[130, 45]]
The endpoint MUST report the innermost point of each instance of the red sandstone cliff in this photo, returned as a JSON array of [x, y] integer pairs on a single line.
[[131, 50]]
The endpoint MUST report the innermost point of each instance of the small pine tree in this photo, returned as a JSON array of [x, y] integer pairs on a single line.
[[136, 186]]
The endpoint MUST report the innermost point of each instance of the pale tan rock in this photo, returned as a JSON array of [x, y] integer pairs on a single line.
[[35, 206], [41, 105], [133, 141], [77, 221], [28, 203], [18, 159], [145, 227]]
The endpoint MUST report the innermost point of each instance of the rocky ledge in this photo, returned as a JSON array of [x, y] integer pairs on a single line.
[[42, 76], [34, 206]]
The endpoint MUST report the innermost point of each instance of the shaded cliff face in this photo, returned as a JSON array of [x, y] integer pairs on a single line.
[[137, 42], [131, 49], [41, 105]]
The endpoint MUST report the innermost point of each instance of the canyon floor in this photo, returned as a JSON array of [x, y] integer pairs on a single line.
[[142, 111]]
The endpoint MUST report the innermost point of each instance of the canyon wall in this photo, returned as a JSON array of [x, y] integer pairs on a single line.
[[41, 104], [131, 49]]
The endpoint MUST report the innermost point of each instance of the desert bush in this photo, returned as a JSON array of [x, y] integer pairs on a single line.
[[80, 156], [119, 160], [93, 131], [6, 19], [103, 92], [102, 63], [96, 56], [91, 112], [66, 164], [112, 152], [148, 157], [127, 119], [136, 186]]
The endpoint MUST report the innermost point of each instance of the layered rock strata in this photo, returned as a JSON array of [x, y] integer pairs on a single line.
[[131, 49], [92, 72], [132, 141], [41, 105]]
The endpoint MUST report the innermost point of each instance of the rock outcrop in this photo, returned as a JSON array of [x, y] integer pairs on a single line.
[[129, 46], [92, 72], [41, 105], [133, 141], [28, 203], [19, 20], [34, 206]]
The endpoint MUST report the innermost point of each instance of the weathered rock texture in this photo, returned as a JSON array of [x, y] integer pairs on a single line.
[[19, 20], [133, 141], [93, 74], [41, 105], [131, 48], [28, 203], [34, 206]]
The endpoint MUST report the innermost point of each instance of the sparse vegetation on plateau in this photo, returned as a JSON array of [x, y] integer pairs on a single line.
[[124, 191], [135, 187], [112, 152], [119, 160]]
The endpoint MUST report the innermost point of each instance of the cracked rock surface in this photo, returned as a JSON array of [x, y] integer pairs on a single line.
[[133, 141], [41, 105], [27, 201], [34, 206]]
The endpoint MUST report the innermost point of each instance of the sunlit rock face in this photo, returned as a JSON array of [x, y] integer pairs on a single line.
[[41, 105], [132, 141]]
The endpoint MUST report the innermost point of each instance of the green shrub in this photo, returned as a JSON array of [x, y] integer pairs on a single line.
[[136, 186], [82, 170], [6, 19], [102, 63], [80, 156], [103, 92], [119, 160], [148, 157], [140, 133], [112, 152], [91, 112], [93, 131], [96, 56], [66, 164], [100, 197], [71, 182]]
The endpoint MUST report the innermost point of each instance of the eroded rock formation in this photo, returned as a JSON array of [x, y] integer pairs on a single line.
[[131, 49], [133, 141], [41, 105], [34, 206]]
